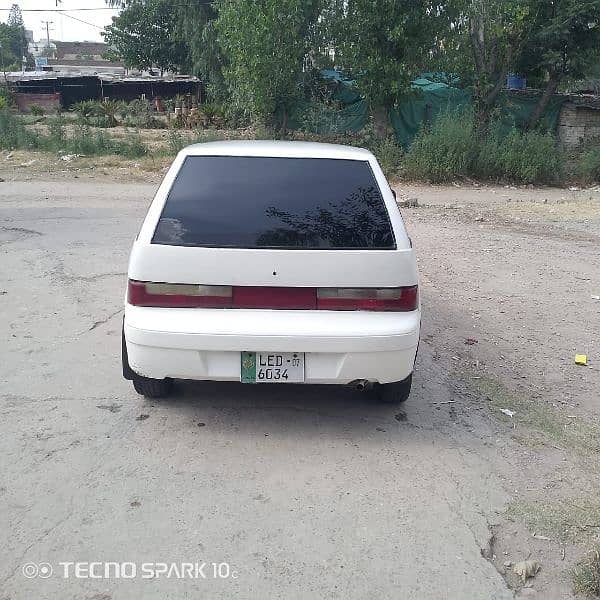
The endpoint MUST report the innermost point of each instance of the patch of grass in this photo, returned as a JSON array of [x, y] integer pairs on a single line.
[[36, 110], [154, 164], [14, 135], [586, 575], [389, 154], [570, 520], [177, 140], [7, 97], [451, 148], [538, 415], [531, 157], [319, 118], [588, 164], [444, 152]]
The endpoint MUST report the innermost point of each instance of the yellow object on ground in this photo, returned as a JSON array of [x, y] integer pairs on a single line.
[[581, 359]]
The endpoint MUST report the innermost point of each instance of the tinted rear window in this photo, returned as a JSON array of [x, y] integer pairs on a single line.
[[256, 202]]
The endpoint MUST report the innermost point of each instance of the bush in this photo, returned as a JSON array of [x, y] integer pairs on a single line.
[[532, 157], [83, 142], [14, 135], [588, 164], [452, 149], [88, 108], [177, 141], [445, 151], [144, 121], [139, 113], [7, 97], [236, 115], [211, 114], [319, 117], [390, 155], [56, 133], [134, 147], [586, 575], [36, 110]]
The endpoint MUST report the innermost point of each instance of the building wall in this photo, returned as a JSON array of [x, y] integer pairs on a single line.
[[49, 102], [578, 123]]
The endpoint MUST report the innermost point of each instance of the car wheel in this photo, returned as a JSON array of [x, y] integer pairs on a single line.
[[394, 393], [152, 388]]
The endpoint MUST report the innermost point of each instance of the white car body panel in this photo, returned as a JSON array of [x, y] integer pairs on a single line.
[[340, 346]]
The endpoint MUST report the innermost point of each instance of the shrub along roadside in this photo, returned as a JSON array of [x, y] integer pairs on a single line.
[[588, 163], [14, 135], [450, 149], [445, 152]]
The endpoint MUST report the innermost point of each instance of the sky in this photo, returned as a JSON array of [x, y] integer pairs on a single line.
[[64, 28]]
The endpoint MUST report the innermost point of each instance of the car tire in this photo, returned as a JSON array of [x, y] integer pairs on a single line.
[[394, 393], [152, 388]]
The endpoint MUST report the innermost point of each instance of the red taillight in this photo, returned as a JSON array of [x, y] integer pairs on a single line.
[[183, 295], [178, 295], [275, 297], [388, 299]]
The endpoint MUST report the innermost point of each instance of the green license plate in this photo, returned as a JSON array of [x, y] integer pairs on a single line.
[[272, 367]]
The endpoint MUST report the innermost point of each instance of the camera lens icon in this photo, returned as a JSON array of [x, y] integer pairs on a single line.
[[32, 570]]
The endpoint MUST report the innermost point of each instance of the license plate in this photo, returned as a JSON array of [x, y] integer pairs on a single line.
[[272, 367]]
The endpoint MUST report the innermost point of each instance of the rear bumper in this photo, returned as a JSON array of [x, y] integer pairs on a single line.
[[205, 344]]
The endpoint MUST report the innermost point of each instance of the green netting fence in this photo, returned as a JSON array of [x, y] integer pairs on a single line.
[[349, 112]]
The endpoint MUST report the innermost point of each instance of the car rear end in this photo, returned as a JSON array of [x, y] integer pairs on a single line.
[[272, 262]]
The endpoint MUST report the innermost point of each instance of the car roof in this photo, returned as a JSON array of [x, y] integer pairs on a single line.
[[276, 148]]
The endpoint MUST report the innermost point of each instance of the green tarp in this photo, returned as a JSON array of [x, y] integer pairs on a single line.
[[429, 99], [310, 116], [433, 99]]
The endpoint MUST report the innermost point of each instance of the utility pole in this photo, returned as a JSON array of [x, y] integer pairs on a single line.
[[47, 24], [2, 58]]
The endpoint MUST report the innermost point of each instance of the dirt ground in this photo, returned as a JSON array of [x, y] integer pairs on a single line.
[[307, 492]]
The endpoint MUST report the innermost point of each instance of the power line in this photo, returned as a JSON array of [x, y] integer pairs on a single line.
[[61, 10], [80, 20]]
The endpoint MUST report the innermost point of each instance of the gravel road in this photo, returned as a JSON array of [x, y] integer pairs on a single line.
[[302, 492]]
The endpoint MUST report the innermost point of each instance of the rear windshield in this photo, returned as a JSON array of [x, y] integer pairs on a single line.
[[256, 202]]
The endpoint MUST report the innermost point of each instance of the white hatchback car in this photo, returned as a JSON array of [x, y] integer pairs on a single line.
[[273, 262]]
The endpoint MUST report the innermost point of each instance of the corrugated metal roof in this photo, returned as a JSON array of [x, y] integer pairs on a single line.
[[53, 75]]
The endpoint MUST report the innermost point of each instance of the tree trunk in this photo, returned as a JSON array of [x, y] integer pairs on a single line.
[[482, 116], [540, 107], [381, 121], [284, 124]]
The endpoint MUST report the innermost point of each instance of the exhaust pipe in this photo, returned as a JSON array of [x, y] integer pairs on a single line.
[[360, 384]]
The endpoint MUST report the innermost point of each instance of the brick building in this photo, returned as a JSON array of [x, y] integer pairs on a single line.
[[579, 120]]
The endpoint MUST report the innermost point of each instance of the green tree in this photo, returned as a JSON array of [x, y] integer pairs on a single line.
[[15, 17], [196, 25], [385, 44], [564, 42], [546, 40], [481, 42], [8, 59], [143, 35], [13, 43], [497, 30], [266, 44]]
